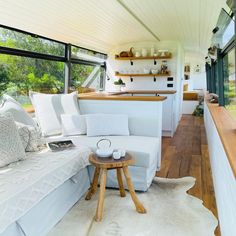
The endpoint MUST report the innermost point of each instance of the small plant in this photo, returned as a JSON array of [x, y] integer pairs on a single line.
[[199, 110], [119, 82]]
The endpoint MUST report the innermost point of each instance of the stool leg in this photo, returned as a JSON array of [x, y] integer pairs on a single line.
[[103, 181], [94, 184], [139, 207], [120, 182]]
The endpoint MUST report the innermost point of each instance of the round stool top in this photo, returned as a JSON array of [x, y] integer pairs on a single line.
[[109, 162]]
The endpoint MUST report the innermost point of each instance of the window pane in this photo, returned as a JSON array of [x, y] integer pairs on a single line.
[[229, 82], [228, 34], [87, 55], [85, 76], [216, 78], [18, 75], [17, 40], [225, 30]]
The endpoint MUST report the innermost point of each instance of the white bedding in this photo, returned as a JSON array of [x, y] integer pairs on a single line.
[[24, 184]]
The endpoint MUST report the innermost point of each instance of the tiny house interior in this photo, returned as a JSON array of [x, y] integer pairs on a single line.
[[117, 117]]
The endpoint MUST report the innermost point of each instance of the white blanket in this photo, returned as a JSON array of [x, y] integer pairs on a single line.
[[24, 184]]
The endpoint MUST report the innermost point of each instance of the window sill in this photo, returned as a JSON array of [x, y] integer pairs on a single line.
[[29, 109], [226, 127]]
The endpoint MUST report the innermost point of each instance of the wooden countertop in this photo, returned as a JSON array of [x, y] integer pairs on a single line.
[[226, 127], [119, 96], [150, 92]]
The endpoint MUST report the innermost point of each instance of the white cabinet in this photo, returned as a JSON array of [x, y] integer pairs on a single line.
[[168, 113]]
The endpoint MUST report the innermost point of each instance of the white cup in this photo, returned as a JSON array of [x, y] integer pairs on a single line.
[[122, 152], [137, 54], [116, 155]]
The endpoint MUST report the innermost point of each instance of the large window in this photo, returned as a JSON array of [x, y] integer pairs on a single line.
[[19, 74], [229, 82], [31, 62], [29, 42], [87, 70], [85, 76]]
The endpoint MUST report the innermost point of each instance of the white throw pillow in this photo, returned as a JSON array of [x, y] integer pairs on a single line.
[[9, 104], [30, 137], [11, 148], [73, 124], [50, 107], [24, 134], [107, 124]]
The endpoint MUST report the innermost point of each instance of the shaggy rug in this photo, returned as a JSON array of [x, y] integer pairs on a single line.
[[170, 212]]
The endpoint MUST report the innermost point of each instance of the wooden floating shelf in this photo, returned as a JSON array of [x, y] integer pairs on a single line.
[[143, 58], [143, 75]]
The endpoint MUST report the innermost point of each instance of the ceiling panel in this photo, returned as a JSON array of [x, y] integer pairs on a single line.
[[104, 24], [188, 21]]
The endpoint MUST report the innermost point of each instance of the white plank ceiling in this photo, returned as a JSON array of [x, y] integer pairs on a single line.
[[104, 24]]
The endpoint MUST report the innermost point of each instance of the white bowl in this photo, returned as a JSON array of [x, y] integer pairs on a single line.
[[146, 71], [154, 71], [104, 152]]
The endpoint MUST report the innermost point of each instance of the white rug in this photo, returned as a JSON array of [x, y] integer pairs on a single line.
[[170, 212]]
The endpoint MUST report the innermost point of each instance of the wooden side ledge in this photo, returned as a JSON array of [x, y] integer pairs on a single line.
[[226, 127]]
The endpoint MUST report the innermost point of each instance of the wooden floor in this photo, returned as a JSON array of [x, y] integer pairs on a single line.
[[186, 154]]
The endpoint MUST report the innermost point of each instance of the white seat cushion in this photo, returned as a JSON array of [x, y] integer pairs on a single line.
[[24, 184], [144, 149]]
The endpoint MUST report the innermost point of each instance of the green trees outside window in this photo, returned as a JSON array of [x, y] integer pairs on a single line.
[[42, 73], [229, 82]]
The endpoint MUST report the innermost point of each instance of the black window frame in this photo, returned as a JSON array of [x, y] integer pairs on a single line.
[[218, 63], [66, 58]]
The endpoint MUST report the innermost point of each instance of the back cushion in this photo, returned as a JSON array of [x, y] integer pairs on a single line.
[[73, 124], [50, 107], [107, 124], [19, 114], [11, 147]]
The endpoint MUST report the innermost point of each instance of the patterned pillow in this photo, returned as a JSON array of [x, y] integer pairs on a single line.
[[30, 137], [11, 147], [24, 135]]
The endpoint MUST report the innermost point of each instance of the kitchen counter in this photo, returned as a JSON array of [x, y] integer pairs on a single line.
[[120, 96], [150, 92]]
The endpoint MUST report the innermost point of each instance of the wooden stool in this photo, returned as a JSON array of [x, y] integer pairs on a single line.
[[103, 165]]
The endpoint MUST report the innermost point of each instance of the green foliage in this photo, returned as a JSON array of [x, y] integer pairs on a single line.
[[199, 110], [18, 74], [47, 81], [79, 73], [119, 82], [4, 75]]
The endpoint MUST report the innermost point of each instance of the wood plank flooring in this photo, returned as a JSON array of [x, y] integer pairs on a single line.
[[186, 154]]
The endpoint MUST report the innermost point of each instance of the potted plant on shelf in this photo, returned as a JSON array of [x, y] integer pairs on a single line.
[[119, 85]]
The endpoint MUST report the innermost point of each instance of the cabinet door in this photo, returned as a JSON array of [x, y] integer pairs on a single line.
[[167, 116]]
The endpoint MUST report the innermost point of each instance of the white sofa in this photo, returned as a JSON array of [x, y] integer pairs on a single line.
[[37, 192], [46, 185], [145, 151]]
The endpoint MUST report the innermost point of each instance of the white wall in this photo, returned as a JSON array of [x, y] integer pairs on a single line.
[[223, 178], [197, 80], [175, 65], [144, 83]]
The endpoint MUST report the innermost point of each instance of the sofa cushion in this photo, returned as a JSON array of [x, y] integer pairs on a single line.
[[107, 124], [25, 183], [50, 107], [19, 114], [30, 137], [73, 124], [143, 149], [11, 147]]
